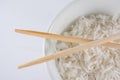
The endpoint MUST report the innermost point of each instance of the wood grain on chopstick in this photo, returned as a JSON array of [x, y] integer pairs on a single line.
[[71, 51], [62, 38]]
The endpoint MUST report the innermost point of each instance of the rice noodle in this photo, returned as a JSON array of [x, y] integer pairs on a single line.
[[97, 63]]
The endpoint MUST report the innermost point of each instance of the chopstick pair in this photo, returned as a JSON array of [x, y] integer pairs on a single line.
[[87, 44]]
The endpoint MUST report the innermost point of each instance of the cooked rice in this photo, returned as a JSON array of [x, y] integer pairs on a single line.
[[97, 63]]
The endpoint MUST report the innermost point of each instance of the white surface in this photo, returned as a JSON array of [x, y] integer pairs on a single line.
[[17, 48]]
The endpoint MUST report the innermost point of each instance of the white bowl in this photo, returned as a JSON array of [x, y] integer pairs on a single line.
[[71, 13]]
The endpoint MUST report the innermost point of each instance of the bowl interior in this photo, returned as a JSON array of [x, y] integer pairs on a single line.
[[71, 13]]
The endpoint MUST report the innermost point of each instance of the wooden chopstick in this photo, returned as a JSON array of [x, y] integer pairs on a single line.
[[69, 51], [62, 38]]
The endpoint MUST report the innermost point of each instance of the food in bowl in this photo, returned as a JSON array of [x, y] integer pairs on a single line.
[[97, 63]]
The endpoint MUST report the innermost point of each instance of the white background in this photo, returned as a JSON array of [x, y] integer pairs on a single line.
[[15, 48]]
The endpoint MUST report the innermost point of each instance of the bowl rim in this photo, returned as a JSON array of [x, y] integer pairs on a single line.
[[51, 27]]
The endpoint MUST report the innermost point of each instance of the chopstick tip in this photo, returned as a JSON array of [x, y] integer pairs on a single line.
[[19, 67], [16, 30]]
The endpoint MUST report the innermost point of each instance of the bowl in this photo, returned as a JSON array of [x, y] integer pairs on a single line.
[[68, 15]]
